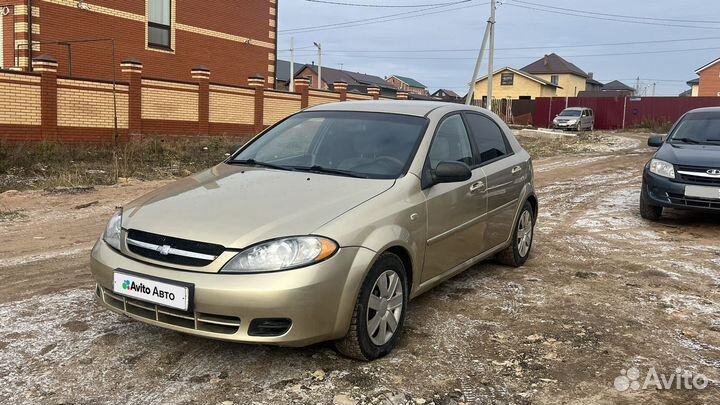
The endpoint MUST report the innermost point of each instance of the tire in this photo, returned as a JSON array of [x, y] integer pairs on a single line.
[[514, 255], [647, 210], [592, 127], [358, 343]]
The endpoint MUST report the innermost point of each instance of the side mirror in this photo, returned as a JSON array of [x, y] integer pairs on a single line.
[[451, 172], [655, 141]]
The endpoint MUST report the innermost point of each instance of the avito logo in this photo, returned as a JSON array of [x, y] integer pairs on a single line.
[[137, 287]]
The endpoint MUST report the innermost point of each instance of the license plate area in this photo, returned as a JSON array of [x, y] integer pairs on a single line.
[[712, 193], [155, 290]]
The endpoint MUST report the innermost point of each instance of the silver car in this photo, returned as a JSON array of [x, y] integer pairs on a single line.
[[323, 226], [577, 118]]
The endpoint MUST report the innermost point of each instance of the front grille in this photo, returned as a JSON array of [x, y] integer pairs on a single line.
[[227, 325], [689, 178], [693, 202], [184, 252]]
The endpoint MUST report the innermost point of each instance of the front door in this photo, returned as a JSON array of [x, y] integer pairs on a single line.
[[455, 210]]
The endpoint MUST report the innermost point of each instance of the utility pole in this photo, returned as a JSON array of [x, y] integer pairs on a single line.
[[292, 64], [491, 54], [319, 47], [637, 85], [476, 72], [653, 91]]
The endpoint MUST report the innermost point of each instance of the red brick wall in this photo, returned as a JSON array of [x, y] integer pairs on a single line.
[[710, 81], [230, 59]]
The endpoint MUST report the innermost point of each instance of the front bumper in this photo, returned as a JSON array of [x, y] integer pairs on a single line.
[[564, 125], [318, 300], [664, 192]]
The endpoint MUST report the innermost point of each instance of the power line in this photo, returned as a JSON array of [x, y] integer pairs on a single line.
[[342, 3], [376, 20], [525, 57], [609, 18], [621, 15], [526, 47]]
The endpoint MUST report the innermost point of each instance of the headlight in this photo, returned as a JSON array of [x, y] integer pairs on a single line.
[[572, 121], [113, 229], [282, 254], [662, 168]]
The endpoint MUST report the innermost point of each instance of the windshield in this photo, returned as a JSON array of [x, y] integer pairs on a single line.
[[697, 128], [357, 144], [570, 113]]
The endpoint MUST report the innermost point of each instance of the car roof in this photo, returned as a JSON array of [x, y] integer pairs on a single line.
[[418, 108], [705, 110], [578, 108]]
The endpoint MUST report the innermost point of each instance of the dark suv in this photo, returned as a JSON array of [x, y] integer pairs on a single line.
[[685, 171]]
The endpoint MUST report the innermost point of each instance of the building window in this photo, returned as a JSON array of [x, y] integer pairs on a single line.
[[506, 79], [159, 23], [554, 79]]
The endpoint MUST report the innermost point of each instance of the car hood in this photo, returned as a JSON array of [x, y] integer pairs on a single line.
[[236, 206], [690, 155]]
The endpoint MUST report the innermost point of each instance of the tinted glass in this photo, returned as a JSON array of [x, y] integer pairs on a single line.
[[159, 36], [570, 113], [451, 143], [698, 128], [370, 145], [488, 137]]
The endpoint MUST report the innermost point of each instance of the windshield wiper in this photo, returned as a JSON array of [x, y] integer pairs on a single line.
[[686, 140], [327, 170], [713, 140], [253, 162]]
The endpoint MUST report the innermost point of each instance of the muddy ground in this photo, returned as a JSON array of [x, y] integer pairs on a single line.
[[602, 292]]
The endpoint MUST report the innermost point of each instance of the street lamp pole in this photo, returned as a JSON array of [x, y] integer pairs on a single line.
[[319, 47]]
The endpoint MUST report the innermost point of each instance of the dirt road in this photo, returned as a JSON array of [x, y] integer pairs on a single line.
[[603, 291]]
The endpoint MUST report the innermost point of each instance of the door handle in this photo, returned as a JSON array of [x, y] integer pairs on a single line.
[[476, 186], [516, 169]]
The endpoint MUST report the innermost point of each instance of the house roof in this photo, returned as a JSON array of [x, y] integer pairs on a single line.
[[617, 85], [282, 73], [409, 81], [330, 76], [593, 82], [686, 93], [693, 81], [524, 74], [553, 64], [700, 69], [450, 93]]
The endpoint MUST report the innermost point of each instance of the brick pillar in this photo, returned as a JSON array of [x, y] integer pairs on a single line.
[[257, 82], [202, 75], [402, 95], [132, 73], [302, 86], [46, 65], [374, 92], [341, 87]]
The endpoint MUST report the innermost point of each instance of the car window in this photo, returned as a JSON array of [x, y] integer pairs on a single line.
[[451, 143], [488, 137], [570, 113], [365, 144]]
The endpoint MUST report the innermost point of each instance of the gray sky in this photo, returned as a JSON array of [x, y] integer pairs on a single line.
[[462, 27]]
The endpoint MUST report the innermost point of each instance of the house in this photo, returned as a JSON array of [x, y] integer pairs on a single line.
[[447, 95], [168, 37], [355, 81], [282, 74], [592, 84], [709, 84], [515, 84], [694, 87], [568, 78], [408, 84], [617, 85]]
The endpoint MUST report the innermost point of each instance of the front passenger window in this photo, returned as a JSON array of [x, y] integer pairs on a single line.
[[451, 143]]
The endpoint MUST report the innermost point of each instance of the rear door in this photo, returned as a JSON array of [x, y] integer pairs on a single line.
[[455, 210], [505, 173]]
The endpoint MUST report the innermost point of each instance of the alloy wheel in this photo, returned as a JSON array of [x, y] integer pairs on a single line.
[[524, 233], [384, 309]]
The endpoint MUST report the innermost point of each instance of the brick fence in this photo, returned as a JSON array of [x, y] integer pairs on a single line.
[[44, 106]]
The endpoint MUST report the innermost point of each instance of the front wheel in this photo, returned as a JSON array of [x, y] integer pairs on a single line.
[[517, 253], [379, 311], [647, 210]]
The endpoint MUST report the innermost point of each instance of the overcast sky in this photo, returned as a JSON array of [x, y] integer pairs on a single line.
[[370, 48]]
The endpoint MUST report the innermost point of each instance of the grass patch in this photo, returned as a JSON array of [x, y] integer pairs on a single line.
[[48, 165], [11, 215]]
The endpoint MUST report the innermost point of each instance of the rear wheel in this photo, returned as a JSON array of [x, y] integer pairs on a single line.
[[647, 210], [379, 311], [517, 253]]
